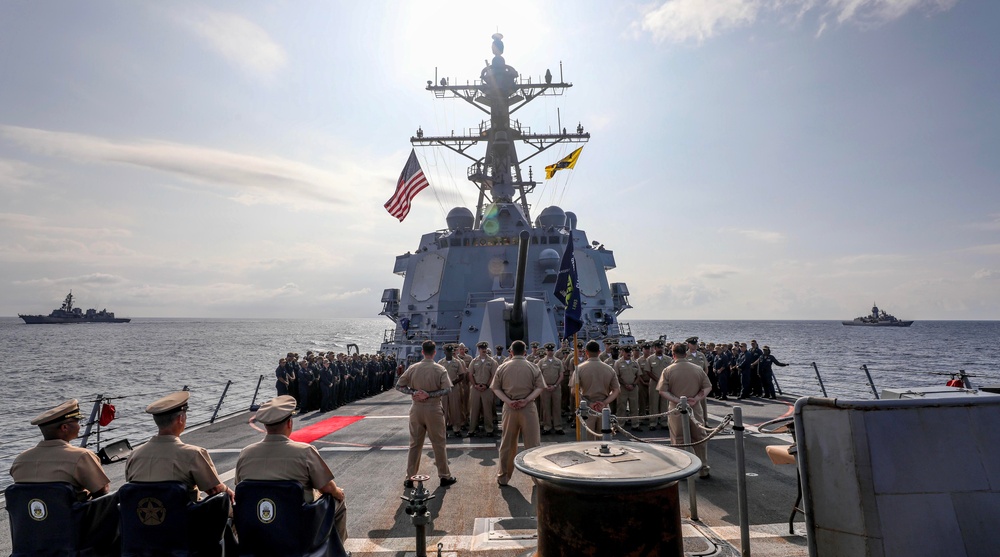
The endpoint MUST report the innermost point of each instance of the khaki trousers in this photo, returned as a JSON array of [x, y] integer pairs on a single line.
[[628, 404], [551, 409], [514, 422], [481, 406], [427, 418], [452, 404], [656, 405], [697, 433]]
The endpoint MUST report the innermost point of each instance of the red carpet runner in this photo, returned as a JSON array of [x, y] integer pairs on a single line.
[[322, 429]]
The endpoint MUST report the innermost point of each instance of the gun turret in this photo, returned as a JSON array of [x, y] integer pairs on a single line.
[[515, 326]]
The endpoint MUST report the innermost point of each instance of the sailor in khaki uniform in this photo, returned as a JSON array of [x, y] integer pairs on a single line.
[[164, 458], [535, 353], [277, 458], [551, 399], [656, 363], [55, 460], [643, 379], [598, 382], [517, 383], [426, 382], [462, 353], [481, 403], [628, 376], [686, 378], [453, 400]]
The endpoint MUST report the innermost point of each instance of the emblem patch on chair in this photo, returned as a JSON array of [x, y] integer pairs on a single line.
[[265, 511], [151, 511], [37, 510]]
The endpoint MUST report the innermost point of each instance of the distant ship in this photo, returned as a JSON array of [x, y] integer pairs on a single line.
[[69, 314], [878, 319]]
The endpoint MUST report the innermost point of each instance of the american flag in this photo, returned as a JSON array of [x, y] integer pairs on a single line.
[[411, 182]]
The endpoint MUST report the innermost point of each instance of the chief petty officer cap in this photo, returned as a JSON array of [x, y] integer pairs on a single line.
[[657, 343], [449, 347], [534, 344], [276, 410], [550, 346], [692, 340], [69, 410], [169, 403], [483, 344]]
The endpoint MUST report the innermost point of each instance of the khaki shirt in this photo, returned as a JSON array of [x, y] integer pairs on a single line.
[[657, 364], [683, 378], [517, 378], [426, 376], [483, 370], [56, 460], [596, 380], [698, 358], [164, 458], [466, 359], [644, 369], [277, 458], [552, 370], [628, 371], [455, 367]]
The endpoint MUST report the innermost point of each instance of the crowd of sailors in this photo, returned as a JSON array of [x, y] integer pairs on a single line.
[[735, 369], [325, 381]]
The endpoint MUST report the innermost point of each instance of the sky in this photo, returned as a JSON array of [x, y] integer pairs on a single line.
[[750, 159]]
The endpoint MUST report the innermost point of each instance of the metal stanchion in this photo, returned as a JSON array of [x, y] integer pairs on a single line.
[[821, 387], [686, 428], [741, 481], [606, 424], [870, 382]]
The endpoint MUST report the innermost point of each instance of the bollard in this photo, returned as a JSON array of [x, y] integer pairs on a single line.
[[686, 428], [606, 424], [741, 481]]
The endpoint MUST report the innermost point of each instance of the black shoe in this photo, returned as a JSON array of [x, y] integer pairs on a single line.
[[408, 484], [560, 432], [450, 480], [546, 431]]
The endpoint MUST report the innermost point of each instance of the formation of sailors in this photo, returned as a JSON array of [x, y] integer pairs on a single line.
[[325, 381], [165, 458]]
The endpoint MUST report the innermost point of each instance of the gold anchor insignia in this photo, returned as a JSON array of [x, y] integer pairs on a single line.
[[151, 511]]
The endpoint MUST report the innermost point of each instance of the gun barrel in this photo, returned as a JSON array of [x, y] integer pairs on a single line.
[[517, 311]]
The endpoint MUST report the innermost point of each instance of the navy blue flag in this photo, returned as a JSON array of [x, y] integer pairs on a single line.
[[568, 291]]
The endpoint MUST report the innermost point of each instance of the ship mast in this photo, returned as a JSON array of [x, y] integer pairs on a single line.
[[499, 92]]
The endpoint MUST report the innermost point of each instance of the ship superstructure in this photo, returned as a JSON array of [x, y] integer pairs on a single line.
[[461, 283]]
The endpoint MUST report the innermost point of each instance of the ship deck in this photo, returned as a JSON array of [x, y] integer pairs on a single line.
[[368, 458]]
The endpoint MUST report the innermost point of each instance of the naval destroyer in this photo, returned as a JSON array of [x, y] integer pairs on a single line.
[[490, 275], [69, 314], [878, 318]]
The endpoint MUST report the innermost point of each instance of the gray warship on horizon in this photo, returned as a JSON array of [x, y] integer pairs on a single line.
[[69, 314], [878, 318], [490, 275]]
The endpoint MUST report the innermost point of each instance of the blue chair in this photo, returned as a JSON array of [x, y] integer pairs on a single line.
[[47, 520], [158, 519], [272, 521]]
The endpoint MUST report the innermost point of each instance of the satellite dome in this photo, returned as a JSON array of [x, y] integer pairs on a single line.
[[552, 216], [548, 260], [460, 217]]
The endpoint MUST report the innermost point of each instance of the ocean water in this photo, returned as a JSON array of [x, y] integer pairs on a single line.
[[135, 363]]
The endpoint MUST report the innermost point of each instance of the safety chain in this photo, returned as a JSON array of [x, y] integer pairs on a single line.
[[676, 410], [615, 428]]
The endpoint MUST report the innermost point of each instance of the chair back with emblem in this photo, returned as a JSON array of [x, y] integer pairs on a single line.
[[272, 520], [159, 519], [46, 519]]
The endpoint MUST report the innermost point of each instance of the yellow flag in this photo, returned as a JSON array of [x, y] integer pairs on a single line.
[[569, 161]]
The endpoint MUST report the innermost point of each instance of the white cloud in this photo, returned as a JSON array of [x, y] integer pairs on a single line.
[[683, 21], [36, 225], [15, 174], [344, 295], [696, 20], [101, 279], [766, 236], [992, 224], [247, 179], [986, 274], [236, 39]]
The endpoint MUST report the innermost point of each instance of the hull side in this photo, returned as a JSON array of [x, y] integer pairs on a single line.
[[46, 320]]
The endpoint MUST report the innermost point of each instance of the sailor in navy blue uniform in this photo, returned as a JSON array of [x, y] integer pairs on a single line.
[[766, 374]]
